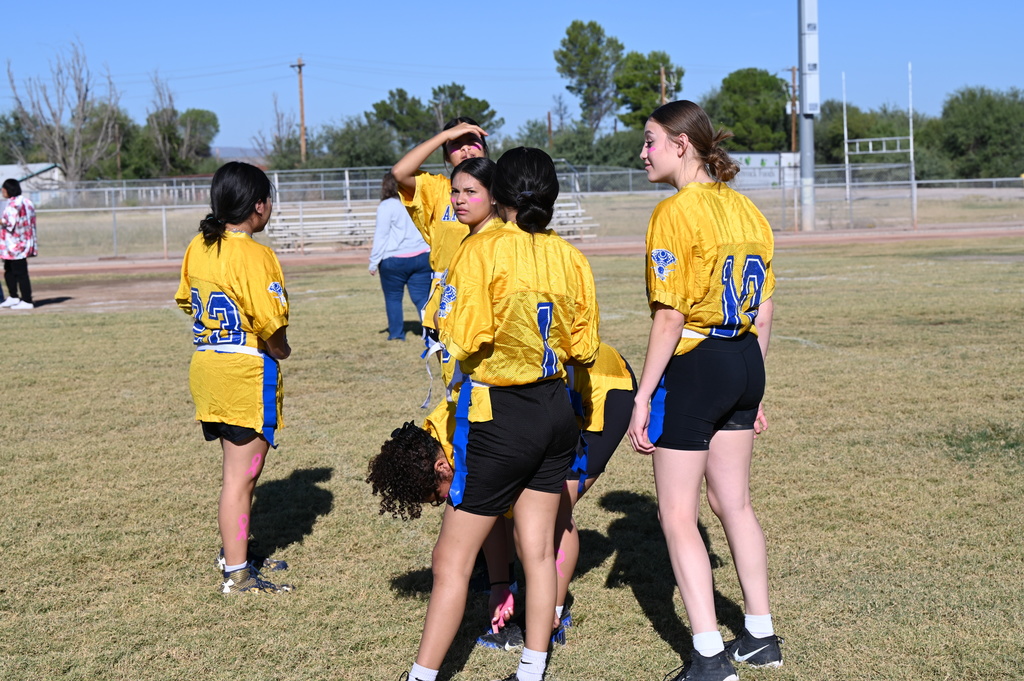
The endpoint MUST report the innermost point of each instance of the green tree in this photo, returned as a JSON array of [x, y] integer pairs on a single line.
[[575, 143], [15, 141], [128, 161], [450, 101], [199, 127], [589, 59], [620, 149], [638, 82], [359, 141], [828, 130], [532, 133], [411, 121], [752, 104], [983, 132]]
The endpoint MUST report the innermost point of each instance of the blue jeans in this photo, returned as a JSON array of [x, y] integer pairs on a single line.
[[395, 275]]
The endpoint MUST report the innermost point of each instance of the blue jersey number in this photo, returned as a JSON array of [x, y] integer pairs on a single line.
[[549, 365], [219, 308], [737, 304]]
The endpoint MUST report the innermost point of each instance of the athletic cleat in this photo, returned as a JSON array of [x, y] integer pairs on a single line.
[[700, 668], [509, 637], [10, 302], [22, 305], [261, 563], [757, 652], [248, 581]]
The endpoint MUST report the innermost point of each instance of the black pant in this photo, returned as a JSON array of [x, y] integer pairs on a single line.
[[16, 276]]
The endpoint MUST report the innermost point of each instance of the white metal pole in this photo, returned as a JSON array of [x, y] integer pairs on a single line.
[[913, 169]]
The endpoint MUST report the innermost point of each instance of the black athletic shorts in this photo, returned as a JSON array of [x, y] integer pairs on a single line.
[[716, 386], [618, 409], [528, 444], [236, 434]]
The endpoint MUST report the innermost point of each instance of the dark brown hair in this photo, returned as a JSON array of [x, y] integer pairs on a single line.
[[388, 187], [683, 117]]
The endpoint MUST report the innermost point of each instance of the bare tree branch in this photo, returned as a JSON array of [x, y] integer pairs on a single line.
[[72, 127]]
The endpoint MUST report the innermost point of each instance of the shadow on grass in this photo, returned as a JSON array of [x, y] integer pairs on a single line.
[[40, 302], [417, 584], [643, 565], [413, 328], [284, 511]]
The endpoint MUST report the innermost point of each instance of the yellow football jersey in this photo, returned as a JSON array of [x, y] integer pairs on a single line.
[[709, 256], [434, 216], [592, 382], [434, 301], [440, 423], [515, 307], [236, 296]]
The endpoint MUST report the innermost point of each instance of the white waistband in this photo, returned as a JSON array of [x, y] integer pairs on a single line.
[[239, 349]]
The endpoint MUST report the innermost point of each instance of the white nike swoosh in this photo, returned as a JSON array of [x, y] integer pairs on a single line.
[[744, 658]]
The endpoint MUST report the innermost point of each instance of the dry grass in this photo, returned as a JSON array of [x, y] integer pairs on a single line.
[[890, 486]]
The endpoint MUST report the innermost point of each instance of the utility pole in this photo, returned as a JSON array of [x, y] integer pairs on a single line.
[[664, 99], [793, 108], [810, 106], [302, 114], [551, 135]]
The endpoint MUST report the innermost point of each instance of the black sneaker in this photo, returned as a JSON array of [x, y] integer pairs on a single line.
[[700, 668], [757, 652], [509, 637]]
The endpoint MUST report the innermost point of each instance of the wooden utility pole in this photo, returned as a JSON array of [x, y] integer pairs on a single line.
[[302, 114], [664, 98], [792, 110]]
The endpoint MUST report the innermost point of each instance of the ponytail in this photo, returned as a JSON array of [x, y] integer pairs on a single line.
[[525, 179], [212, 229]]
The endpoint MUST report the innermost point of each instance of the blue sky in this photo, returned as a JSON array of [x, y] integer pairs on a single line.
[[233, 57]]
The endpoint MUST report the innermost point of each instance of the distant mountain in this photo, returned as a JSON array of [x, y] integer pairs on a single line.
[[237, 154]]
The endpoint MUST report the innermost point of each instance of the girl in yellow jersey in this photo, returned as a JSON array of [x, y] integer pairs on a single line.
[[428, 196], [698, 404], [233, 288], [417, 466], [518, 303]]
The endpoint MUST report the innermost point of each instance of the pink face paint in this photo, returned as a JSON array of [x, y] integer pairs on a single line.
[[243, 528], [558, 563], [475, 199], [254, 469]]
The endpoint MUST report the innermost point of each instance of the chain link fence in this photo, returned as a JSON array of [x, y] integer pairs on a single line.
[[159, 217]]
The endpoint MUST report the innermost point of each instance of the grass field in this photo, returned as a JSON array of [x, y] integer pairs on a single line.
[[890, 486]]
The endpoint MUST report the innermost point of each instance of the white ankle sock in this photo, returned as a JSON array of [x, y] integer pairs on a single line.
[[419, 673], [708, 643], [531, 667], [759, 626], [233, 568]]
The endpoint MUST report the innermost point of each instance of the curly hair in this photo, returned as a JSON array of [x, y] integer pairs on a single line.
[[403, 473]]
